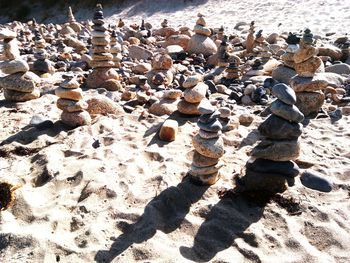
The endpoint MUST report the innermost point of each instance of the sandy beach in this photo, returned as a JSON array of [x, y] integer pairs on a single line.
[[113, 191]]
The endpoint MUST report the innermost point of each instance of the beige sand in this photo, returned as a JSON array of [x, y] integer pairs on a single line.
[[126, 202]]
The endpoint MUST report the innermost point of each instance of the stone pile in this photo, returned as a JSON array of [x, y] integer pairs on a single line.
[[115, 50], [195, 92], [72, 22], [162, 73], [209, 147], [20, 84], [200, 42], [288, 56], [41, 65], [310, 97], [103, 74], [167, 104], [272, 166], [71, 103]]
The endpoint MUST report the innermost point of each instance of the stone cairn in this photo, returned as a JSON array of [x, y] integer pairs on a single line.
[[20, 84], [195, 92], [41, 65], [162, 73], [116, 50], [272, 166], [72, 22], [250, 38], [288, 57], [200, 42], [209, 147], [223, 55], [103, 74], [71, 103], [310, 98]]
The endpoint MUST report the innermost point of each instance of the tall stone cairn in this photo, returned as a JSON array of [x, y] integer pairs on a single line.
[[271, 167], [19, 84], [209, 147], [310, 97]]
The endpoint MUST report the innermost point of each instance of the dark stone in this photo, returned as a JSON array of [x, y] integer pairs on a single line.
[[211, 85], [258, 94], [284, 93], [214, 126], [312, 180], [207, 118], [286, 168], [263, 182], [278, 128], [285, 111]]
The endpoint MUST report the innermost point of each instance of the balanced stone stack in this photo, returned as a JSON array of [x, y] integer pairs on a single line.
[[162, 73], [250, 39], [209, 147], [20, 84], [200, 42], [72, 22], [195, 92], [233, 73], [272, 166], [116, 50], [71, 103], [222, 54], [103, 75], [41, 65], [310, 98]]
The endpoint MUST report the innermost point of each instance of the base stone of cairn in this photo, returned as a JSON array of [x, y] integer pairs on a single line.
[[195, 92], [271, 168], [71, 103], [310, 97], [102, 60], [209, 147], [20, 84], [200, 42]]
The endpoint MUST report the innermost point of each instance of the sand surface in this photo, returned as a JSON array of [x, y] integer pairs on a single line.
[[128, 200]]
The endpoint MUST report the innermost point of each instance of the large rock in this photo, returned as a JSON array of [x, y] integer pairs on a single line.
[[203, 161], [98, 76], [201, 45], [75, 119], [137, 52], [318, 82], [213, 148], [196, 94], [283, 74], [309, 103], [163, 107], [287, 112], [286, 168], [341, 68], [278, 128], [103, 105], [284, 93], [22, 82], [181, 40], [71, 105], [263, 182], [284, 150], [188, 108], [70, 94], [14, 66], [303, 54], [330, 51], [309, 67], [13, 95]]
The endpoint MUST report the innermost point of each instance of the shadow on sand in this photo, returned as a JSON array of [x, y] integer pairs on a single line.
[[225, 222], [165, 212]]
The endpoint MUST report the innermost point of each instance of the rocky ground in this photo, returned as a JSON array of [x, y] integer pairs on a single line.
[[112, 191]]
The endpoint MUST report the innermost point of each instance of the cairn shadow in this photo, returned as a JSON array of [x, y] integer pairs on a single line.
[[225, 222], [165, 212], [177, 116], [29, 134]]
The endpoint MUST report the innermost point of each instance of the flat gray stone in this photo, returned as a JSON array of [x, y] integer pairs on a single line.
[[284, 93], [287, 112]]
